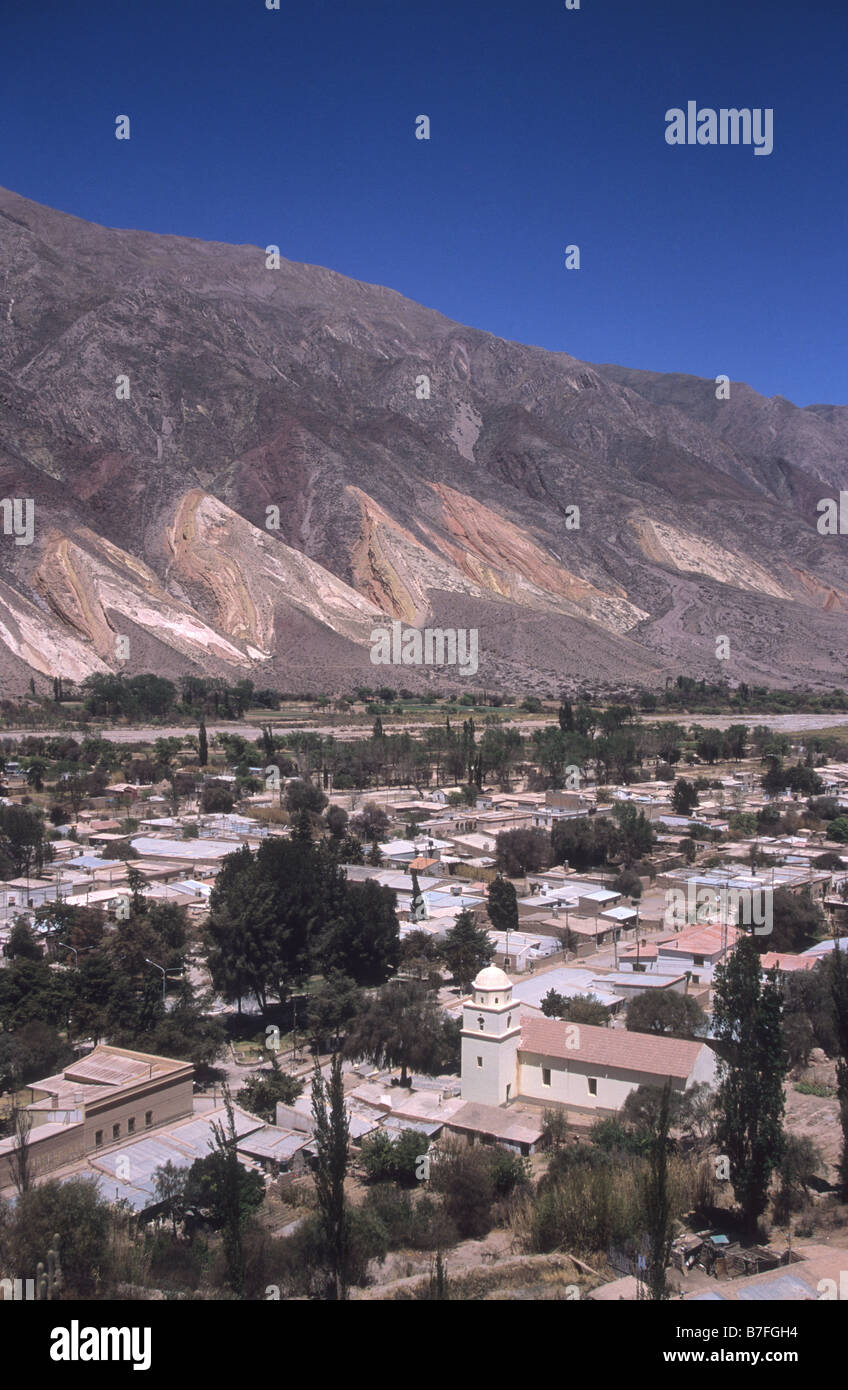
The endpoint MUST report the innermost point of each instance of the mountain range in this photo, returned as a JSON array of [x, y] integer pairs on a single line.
[[246, 469]]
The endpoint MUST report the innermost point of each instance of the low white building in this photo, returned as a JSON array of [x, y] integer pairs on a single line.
[[697, 950]]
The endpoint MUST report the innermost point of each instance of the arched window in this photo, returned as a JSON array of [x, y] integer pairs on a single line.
[[482, 1022], [509, 1020]]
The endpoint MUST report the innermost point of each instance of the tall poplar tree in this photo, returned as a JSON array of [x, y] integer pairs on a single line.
[[657, 1200], [502, 905], [839, 989], [331, 1137], [748, 1026]]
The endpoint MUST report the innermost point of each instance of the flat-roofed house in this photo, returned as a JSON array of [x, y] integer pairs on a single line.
[[697, 949]]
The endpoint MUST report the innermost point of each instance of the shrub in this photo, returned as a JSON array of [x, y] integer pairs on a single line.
[[464, 1177], [611, 1136], [398, 1160], [73, 1210], [813, 1088], [509, 1171], [409, 1222], [261, 1092], [301, 1263], [555, 1128]]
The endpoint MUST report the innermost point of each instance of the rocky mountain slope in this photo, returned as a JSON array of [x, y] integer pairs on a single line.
[[278, 483]]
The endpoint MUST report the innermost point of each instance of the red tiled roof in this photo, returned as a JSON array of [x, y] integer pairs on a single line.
[[785, 961], [609, 1047]]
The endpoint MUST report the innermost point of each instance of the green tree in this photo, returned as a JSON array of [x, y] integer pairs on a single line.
[[581, 1008], [522, 851], [839, 990], [22, 941], [635, 836], [226, 1194], [336, 819], [464, 1177], [278, 915], [658, 1205], [331, 1137], [202, 745], [136, 882], [400, 1026], [169, 1184], [466, 949], [802, 1161], [22, 838], [667, 1013], [35, 773], [332, 1007], [21, 1165], [73, 1210], [502, 904], [261, 1092], [30, 992], [586, 1008], [684, 797], [554, 1004], [747, 1019], [394, 1160], [216, 798], [363, 940], [641, 1110], [657, 1200], [797, 922], [304, 796], [420, 956], [267, 911], [215, 1194], [628, 883], [33, 1050]]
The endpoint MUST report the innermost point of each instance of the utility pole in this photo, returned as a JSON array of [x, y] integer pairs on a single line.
[[162, 970], [164, 974]]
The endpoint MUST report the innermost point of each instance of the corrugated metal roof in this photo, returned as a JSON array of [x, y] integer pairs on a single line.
[[128, 1173], [395, 1125], [783, 1287]]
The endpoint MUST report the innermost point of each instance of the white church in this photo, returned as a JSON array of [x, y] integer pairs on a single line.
[[510, 1054]]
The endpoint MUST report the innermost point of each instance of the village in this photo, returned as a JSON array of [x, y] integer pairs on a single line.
[[508, 977]]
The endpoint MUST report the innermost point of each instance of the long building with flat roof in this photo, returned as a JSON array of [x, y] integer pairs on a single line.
[[98, 1102]]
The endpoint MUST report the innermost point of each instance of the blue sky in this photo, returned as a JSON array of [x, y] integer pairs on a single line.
[[297, 127]]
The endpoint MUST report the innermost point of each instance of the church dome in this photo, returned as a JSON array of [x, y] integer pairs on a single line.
[[492, 978]]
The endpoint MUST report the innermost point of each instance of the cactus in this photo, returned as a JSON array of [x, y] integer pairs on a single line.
[[48, 1282]]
